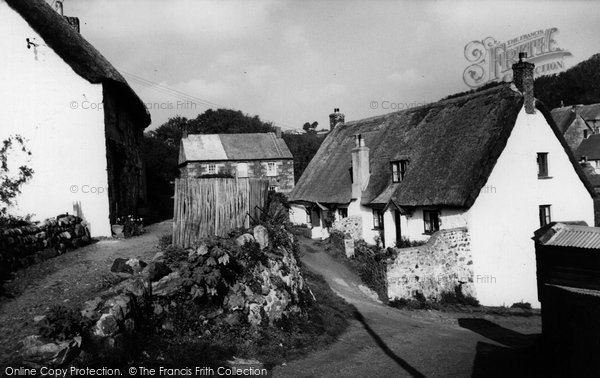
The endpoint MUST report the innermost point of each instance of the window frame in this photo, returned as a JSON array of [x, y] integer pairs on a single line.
[[399, 168], [273, 188], [214, 169], [377, 219], [343, 212], [542, 164], [545, 215], [431, 225], [271, 171]]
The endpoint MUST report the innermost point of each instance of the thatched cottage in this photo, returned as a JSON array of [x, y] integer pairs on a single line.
[[80, 119], [252, 155], [492, 162]]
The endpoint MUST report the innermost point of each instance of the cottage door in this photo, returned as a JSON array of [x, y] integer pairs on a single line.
[[397, 225]]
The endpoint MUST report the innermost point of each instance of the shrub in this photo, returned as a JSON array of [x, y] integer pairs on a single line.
[[62, 323], [369, 262], [132, 225], [522, 305], [407, 243], [10, 183]]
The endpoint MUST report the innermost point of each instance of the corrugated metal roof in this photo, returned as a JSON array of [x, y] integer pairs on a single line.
[[566, 235], [219, 147]]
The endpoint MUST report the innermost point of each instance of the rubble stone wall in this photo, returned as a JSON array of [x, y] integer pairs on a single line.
[[26, 245], [438, 266]]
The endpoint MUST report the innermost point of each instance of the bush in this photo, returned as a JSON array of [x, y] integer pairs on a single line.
[[369, 262], [407, 243], [522, 305], [132, 225], [62, 323]]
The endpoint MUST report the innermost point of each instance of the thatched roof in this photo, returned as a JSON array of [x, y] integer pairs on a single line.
[[220, 147], [564, 117], [589, 147], [452, 146], [78, 53]]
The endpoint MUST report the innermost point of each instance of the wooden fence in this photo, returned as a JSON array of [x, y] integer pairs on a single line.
[[215, 206]]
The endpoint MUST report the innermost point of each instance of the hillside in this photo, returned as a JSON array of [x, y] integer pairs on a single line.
[[579, 84]]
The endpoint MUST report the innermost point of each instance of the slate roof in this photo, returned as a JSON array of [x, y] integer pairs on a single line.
[[564, 117], [78, 53], [219, 147], [452, 146], [589, 147]]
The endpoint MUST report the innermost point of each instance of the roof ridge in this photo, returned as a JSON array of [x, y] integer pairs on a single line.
[[274, 140]]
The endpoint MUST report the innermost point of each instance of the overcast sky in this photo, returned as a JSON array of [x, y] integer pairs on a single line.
[[291, 62]]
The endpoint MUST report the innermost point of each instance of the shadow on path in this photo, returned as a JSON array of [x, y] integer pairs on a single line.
[[405, 365], [519, 357]]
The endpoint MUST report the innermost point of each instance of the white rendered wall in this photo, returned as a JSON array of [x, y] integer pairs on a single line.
[[502, 221], [43, 100]]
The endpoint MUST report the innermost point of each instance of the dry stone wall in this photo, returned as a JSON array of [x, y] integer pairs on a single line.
[[439, 266], [25, 245]]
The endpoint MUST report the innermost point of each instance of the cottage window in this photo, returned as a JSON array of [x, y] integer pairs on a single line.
[[271, 169], [542, 162], [273, 188], [212, 169], [377, 219], [242, 170], [343, 212], [545, 216], [431, 219], [399, 170]]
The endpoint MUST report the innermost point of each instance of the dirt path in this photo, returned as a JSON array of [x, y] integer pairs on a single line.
[[384, 341], [69, 279]]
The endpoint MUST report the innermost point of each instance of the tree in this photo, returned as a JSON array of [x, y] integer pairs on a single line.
[[11, 182], [310, 127]]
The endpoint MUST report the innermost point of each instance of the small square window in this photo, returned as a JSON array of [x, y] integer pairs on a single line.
[[273, 188], [377, 219], [431, 220], [545, 216], [399, 169], [542, 162], [212, 169]]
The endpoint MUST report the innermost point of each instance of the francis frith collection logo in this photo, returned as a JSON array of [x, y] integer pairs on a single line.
[[491, 60]]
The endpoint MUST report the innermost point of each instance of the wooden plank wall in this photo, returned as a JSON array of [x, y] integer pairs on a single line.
[[214, 206]]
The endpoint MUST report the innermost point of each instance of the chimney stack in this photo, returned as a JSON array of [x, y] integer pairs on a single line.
[[335, 118], [59, 7], [360, 167], [73, 21], [523, 79], [277, 131]]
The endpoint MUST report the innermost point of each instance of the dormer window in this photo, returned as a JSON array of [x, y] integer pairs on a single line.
[[542, 162], [399, 169]]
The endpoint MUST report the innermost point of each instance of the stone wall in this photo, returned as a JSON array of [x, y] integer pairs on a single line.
[[438, 266], [284, 180], [351, 225], [26, 245]]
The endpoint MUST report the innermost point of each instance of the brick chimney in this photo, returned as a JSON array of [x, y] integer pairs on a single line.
[[277, 131], [523, 79], [360, 167], [335, 118]]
